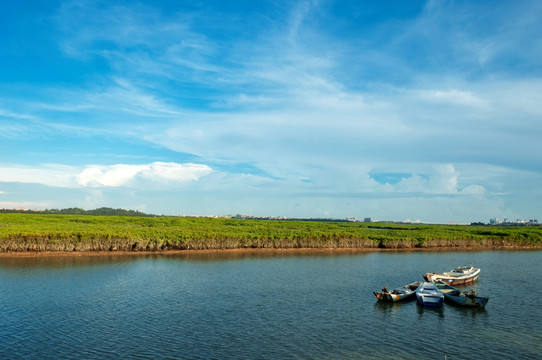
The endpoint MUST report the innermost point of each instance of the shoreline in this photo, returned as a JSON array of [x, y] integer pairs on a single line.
[[32, 235], [270, 251]]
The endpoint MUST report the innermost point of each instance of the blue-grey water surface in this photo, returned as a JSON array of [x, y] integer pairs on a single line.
[[263, 306]]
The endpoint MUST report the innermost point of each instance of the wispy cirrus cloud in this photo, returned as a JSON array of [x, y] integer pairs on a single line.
[[138, 39]]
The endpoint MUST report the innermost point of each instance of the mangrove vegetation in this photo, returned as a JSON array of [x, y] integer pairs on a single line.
[[23, 232]]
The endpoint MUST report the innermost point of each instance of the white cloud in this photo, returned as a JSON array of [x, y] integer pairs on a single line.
[[443, 180], [452, 96], [161, 171], [115, 175], [50, 175], [125, 97], [477, 190], [13, 115], [165, 173], [131, 175]]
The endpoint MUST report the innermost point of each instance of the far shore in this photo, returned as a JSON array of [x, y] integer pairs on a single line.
[[39, 235], [270, 251]]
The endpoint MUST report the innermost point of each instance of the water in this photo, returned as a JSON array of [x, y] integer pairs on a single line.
[[263, 306]]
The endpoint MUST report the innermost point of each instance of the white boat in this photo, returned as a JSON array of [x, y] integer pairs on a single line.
[[461, 275], [402, 293], [428, 294]]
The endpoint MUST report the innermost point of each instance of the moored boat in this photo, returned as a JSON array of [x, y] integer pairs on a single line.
[[462, 298], [461, 275], [428, 294], [402, 293]]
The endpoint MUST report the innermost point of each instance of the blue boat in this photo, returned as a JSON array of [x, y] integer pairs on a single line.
[[428, 294], [462, 298]]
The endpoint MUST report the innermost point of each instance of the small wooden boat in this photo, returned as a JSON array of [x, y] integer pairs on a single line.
[[462, 298], [428, 294], [461, 275], [402, 293]]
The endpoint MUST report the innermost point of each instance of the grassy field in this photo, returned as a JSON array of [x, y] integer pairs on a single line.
[[49, 232]]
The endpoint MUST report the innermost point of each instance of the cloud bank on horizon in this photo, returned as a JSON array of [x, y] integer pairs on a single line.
[[422, 110]]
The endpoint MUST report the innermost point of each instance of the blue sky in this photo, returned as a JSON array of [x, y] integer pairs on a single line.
[[393, 110]]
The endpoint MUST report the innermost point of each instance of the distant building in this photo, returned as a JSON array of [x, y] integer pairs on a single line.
[[517, 222], [367, 220]]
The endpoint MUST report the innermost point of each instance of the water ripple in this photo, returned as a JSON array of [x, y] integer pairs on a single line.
[[316, 307]]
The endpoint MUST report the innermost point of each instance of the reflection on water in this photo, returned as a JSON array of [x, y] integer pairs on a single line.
[[467, 312], [61, 261], [82, 259], [422, 310], [390, 307]]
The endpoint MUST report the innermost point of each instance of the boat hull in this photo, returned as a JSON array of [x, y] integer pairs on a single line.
[[457, 297], [430, 301], [407, 292], [476, 301]]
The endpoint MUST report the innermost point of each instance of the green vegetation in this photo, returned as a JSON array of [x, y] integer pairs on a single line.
[[57, 232]]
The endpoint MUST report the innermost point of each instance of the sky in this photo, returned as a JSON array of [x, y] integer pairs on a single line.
[[393, 110]]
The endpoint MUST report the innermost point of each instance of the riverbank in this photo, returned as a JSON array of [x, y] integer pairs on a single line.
[[85, 234], [260, 251]]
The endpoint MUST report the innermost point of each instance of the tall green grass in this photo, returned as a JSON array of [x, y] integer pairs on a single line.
[[51, 232]]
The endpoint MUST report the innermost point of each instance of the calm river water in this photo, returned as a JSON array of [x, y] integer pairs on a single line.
[[263, 306]]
